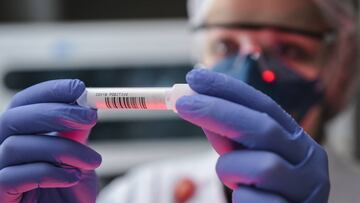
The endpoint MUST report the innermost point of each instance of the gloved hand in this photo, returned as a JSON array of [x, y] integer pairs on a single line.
[[264, 155], [43, 156]]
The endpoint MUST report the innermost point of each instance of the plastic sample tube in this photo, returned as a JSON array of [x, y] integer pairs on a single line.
[[134, 98]]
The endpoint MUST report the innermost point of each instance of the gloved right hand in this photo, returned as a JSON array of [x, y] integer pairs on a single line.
[[43, 156]]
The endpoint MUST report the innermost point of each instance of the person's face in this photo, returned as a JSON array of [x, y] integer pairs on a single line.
[[282, 30], [305, 54]]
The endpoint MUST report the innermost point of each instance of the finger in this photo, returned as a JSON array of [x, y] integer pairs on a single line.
[[23, 178], [223, 86], [55, 91], [251, 195], [222, 144], [46, 117], [250, 128], [266, 171], [18, 150]]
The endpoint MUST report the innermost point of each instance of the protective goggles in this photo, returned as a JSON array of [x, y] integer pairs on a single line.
[[305, 52]]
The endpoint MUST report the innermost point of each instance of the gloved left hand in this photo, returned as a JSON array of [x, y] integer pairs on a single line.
[[43, 152], [265, 156]]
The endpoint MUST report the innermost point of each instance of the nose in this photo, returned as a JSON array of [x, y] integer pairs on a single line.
[[252, 47], [249, 46]]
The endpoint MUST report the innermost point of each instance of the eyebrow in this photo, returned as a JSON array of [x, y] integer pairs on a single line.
[[308, 33]]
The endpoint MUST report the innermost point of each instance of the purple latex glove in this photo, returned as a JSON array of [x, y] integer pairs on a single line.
[[38, 167], [264, 155]]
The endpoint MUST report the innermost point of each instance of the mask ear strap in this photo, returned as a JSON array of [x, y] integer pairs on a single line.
[[305, 108]]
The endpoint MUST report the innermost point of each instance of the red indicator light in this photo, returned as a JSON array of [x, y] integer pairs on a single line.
[[268, 76]]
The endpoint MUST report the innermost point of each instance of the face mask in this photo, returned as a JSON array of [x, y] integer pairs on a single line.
[[289, 89]]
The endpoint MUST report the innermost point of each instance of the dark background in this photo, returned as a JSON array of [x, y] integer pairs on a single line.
[[75, 10]]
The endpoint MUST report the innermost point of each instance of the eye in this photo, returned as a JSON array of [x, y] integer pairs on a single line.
[[294, 52], [225, 47]]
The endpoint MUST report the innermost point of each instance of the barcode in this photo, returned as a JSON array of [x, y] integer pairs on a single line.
[[125, 102]]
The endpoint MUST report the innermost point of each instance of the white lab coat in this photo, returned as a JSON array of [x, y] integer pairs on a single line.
[[155, 183]]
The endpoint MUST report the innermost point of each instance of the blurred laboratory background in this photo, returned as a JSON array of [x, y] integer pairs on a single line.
[[127, 43]]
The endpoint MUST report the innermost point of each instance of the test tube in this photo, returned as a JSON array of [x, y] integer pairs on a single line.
[[134, 98]]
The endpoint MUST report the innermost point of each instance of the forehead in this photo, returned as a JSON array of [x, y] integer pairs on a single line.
[[300, 14]]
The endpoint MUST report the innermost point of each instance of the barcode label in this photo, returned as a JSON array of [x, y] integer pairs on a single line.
[[125, 102]]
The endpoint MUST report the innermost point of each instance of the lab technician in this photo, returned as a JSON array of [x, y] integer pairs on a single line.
[[300, 53]]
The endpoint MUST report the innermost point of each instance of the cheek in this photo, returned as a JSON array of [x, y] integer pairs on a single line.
[[208, 58], [310, 71], [207, 42]]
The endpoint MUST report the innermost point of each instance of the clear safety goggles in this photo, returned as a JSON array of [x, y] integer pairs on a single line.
[[303, 51]]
